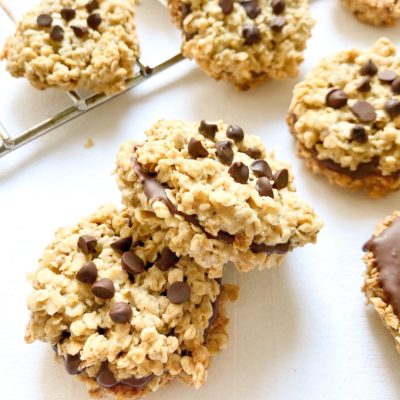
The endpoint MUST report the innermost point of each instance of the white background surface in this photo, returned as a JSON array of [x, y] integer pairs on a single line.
[[298, 332]]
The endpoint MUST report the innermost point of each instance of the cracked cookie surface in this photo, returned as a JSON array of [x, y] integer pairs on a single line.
[[124, 313], [217, 193], [381, 286], [244, 42], [375, 12], [345, 118], [73, 44]]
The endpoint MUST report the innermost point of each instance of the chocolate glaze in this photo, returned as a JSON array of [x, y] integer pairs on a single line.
[[154, 190], [363, 170], [386, 251]]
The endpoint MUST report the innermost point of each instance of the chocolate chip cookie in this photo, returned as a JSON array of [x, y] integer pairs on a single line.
[[244, 42], [381, 287], [375, 12], [345, 118], [71, 44], [216, 193], [124, 313]]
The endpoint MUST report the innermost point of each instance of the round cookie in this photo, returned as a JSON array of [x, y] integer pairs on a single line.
[[381, 287], [124, 313], [217, 194], [375, 12], [73, 44], [244, 42], [345, 118]]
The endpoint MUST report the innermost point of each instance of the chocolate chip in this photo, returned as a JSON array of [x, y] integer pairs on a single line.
[[251, 34], [138, 383], [396, 86], [277, 24], [387, 76], [369, 68], [87, 244], [105, 377], [166, 260], [189, 36], [392, 107], [364, 111], [253, 152], [122, 245], [178, 292], [186, 9], [131, 263], [239, 172], [208, 130], [57, 33], [336, 98], [71, 364], [278, 6], [80, 31], [224, 151], [251, 7], [359, 134], [121, 313], [92, 5], [264, 187], [64, 336], [196, 148], [68, 14], [281, 178], [94, 20], [226, 6], [261, 168], [364, 85], [104, 289], [235, 133], [88, 273], [44, 20]]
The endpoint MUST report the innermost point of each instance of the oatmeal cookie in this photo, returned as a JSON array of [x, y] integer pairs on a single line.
[[124, 313], [345, 118], [375, 12], [244, 42], [382, 285], [73, 44], [217, 193]]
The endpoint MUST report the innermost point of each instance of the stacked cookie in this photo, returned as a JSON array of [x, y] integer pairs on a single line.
[[131, 298], [345, 118]]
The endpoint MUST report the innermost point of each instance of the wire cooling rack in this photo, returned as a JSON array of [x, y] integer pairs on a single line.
[[80, 105]]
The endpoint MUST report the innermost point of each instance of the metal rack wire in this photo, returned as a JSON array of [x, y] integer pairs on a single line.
[[80, 105]]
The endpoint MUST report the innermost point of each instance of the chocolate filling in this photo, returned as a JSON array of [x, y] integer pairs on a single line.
[[386, 251], [281, 248], [363, 170], [154, 190]]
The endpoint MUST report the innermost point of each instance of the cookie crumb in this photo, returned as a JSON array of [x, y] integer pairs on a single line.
[[89, 143]]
